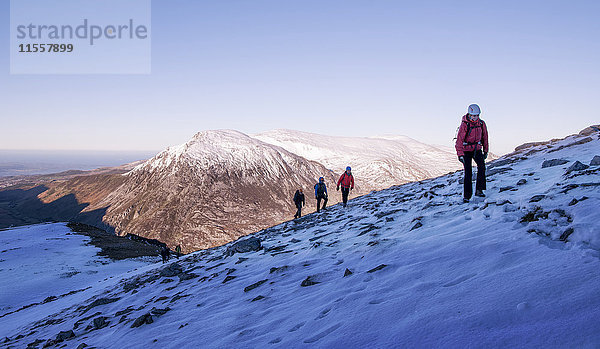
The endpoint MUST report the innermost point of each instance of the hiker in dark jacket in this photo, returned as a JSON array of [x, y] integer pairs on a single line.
[[347, 182], [178, 251], [299, 201], [472, 144], [165, 253], [321, 193]]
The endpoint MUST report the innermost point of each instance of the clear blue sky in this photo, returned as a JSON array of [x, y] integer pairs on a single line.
[[355, 68]]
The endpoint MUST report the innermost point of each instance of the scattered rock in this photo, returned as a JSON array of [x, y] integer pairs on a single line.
[[101, 301], [82, 345], [187, 276], [64, 335], [417, 225], [347, 272], [295, 241], [308, 282], [506, 188], [278, 269], [228, 278], [575, 201], [241, 260], [577, 166], [257, 298], [33, 344], [579, 142], [171, 270], [534, 215], [595, 161], [159, 312], [99, 322], [495, 171], [255, 285], [565, 235], [50, 299], [522, 181], [144, 319], [554, 162], [379, 267], [590, 130], [537, 198], [178, 297], [127, 311], [243, 246]]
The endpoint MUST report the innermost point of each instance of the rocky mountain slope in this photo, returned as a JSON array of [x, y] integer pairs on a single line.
[[377, 162], [410, 266], [209, 191]]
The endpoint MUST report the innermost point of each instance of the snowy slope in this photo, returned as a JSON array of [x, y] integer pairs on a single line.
[[377, 162], [426, 271], [48, 260]]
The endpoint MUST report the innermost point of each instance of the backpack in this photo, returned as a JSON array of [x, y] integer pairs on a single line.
[[469, 128], [320, 189]]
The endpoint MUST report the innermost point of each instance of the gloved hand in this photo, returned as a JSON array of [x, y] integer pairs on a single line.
[[351, 188], [461, 159], [338, 188], [485, 155]]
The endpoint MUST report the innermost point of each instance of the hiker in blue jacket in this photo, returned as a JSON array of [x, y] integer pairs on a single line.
[[321, 193]]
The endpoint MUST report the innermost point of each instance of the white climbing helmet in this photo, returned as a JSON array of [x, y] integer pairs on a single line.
[[474, 109]]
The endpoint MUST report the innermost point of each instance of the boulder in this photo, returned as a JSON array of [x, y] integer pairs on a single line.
[[590, 130], [595, 161], [243, 246], [577, 166], [254, 285], [554, 162], [159, 311], [308, 282], [537, 198], [522, 181], [172, 269], [379, 267], [64, 335], [100, 322], [144, 319]]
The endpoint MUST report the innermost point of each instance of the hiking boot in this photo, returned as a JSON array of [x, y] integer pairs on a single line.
[[465, 201], [479, 193]]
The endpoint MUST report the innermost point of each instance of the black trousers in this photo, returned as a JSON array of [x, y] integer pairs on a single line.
[[319, 198], [345, 192], [480, 161], [299, 212]]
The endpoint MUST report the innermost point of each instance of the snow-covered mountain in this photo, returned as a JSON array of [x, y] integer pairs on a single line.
[[406, 267], [377, 162], [218, 186]]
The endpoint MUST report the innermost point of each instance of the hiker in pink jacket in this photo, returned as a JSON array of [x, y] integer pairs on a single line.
[[472, 144]]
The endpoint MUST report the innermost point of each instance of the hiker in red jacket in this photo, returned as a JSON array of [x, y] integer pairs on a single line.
[[347, 182], [472, 144]]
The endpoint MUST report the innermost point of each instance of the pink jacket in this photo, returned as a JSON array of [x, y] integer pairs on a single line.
[[477, 138]]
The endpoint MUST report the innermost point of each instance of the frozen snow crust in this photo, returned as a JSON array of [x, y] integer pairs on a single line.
[[407, 267]]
